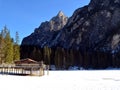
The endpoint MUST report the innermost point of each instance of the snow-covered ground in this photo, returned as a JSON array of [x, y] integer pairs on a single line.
[[64, 80]]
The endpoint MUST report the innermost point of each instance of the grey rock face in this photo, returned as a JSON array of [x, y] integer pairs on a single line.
[[55, 24], [47, 31], [94, 27]]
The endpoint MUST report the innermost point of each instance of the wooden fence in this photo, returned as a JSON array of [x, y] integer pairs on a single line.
[[24, 69]]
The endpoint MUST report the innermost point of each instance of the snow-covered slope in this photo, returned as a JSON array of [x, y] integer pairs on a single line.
[[64, 80]]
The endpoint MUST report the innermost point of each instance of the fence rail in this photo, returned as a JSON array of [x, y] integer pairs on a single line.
[[24, 69]]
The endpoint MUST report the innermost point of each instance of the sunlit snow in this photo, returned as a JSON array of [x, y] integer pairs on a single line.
[[64, 80]]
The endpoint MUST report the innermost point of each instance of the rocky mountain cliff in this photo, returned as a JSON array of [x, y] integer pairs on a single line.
[[47, 31], [90, 37], [93, 27]]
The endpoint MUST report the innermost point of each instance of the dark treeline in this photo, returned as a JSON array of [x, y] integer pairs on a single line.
[[63, 58]]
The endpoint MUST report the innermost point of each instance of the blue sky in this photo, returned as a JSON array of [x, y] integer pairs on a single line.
[[26, 15]]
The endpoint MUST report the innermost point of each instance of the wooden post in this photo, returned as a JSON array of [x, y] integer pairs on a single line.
[[31, 70], [15, 70], [47, 69], [11, 69], [7, 70], [41, 71], [22, 70], [3, 70]]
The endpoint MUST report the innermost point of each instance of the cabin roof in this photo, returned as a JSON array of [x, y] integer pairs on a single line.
[[26, 61]]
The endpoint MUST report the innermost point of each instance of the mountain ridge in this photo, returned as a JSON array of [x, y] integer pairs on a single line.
[[47, 30], [90, 38], [93, 24]]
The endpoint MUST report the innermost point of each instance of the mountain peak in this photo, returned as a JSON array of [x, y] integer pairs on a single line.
[[60, 13], [46, 31]]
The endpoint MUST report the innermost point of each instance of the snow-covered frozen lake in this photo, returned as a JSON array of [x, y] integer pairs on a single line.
[[64, 80]]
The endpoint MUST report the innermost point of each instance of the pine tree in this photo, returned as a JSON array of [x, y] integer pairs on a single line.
[[59, 58], [8, 48], [36, 54], [67, 59], [3, 34], [16, 48], [71, 57], [47, 54], [56, 58], [1, 49]]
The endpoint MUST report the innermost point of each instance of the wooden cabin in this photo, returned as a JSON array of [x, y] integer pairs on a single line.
[[32, 65], [25, 67]]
